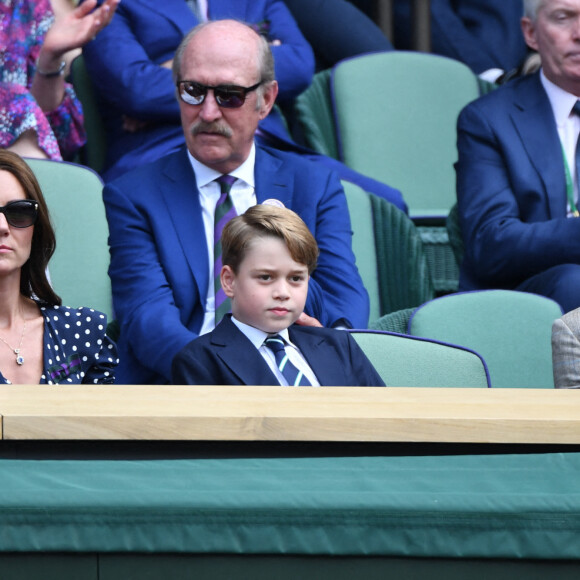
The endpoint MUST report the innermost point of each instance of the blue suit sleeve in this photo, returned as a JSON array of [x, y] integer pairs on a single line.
[[293, 58], [336, 29], [125, 58], [150, 320], [483, 34], [124, 62], [336, 281]]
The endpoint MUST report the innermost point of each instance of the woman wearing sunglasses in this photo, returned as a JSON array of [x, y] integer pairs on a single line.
[[40, 340]]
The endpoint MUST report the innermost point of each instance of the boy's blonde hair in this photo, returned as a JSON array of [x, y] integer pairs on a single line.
[[261, 221]]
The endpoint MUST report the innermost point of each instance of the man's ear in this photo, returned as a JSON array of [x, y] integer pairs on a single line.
[[227, 279], [529, 30], [268, 99]]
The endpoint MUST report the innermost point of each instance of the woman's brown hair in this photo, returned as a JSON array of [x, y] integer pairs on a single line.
[[33, 279]]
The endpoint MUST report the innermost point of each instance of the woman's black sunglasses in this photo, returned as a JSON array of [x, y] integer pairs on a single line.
[[21, 213], [226, 96]]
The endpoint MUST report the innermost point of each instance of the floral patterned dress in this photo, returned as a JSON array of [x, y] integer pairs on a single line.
[[23, 26]]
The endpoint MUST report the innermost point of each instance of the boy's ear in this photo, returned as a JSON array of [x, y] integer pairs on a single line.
[[227, 278]]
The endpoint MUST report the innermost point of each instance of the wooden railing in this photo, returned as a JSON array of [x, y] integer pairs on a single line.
[[220, 413]]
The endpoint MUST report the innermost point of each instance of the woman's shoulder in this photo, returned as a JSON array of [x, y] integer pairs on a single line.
[[73, 317]]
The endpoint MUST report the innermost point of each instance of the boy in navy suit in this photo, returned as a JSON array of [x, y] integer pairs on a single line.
[[268, 254]]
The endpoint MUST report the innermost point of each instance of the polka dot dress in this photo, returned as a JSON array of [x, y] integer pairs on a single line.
[[76, 347]]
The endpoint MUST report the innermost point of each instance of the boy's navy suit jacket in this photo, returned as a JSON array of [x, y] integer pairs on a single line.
[[226, 357]]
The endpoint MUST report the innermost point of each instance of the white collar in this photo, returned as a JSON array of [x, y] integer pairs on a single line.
[[205, 175], [257, 336], [561, 101]]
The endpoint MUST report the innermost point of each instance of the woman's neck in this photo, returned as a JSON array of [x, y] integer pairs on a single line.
[[14, 307]]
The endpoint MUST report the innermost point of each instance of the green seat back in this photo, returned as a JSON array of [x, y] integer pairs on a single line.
[[389, 254], [78, 268], [404, 361], [363, 243], [397, 321], [404, 277], [510, 330], [313, 111], [454, 232], [94, 152], [396, 116]]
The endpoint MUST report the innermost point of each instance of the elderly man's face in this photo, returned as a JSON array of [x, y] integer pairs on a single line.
[[223, 53], [556, 36]]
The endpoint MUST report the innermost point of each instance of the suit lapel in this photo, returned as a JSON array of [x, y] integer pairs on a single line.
[[273, 179], [240, 355], [534, 121], [320, 355], [181, 196]]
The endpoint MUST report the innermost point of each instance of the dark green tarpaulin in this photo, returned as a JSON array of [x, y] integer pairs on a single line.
[[482, 506]]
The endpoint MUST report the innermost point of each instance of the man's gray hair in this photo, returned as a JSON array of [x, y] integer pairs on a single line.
[[531, 8]]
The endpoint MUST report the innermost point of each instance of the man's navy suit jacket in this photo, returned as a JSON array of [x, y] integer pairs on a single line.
[[511, 188], [483, 34], [124, 60], [226, 357], [159, 258]]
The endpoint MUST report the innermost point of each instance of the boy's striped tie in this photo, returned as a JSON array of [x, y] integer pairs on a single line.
[[294, 377]]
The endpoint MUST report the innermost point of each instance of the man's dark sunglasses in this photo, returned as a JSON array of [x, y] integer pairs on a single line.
[[226, 96], [21, 213]]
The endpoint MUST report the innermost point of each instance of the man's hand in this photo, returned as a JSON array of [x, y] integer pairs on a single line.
[[305, 320], [74, 29]]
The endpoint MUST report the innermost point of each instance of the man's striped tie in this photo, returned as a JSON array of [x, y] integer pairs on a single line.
[[224, 212]]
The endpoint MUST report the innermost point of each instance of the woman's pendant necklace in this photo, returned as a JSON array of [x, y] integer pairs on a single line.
[[19, 357]]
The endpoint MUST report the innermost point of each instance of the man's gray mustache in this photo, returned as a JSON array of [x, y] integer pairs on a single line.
[[215, 128]]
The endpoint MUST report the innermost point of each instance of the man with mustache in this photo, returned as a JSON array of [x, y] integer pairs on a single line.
[[162, 216], [517, 182], [130, 67]]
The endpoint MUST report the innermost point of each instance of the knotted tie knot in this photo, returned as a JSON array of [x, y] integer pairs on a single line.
[[225, 182]]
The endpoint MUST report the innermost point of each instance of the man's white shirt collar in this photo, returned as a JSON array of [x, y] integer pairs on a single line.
[[205, 175], [561, 101]]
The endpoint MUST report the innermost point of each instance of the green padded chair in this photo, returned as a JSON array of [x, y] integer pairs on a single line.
[[389, 254], [396, 117], [405, 361], [313, 111], [454, 232], [510, 330], [93, 154], [78, 268]]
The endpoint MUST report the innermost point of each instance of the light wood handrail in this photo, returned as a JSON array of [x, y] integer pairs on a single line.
[[217, 413]]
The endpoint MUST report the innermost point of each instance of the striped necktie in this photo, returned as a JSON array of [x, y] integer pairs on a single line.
[[294, 377], [224, 212]]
